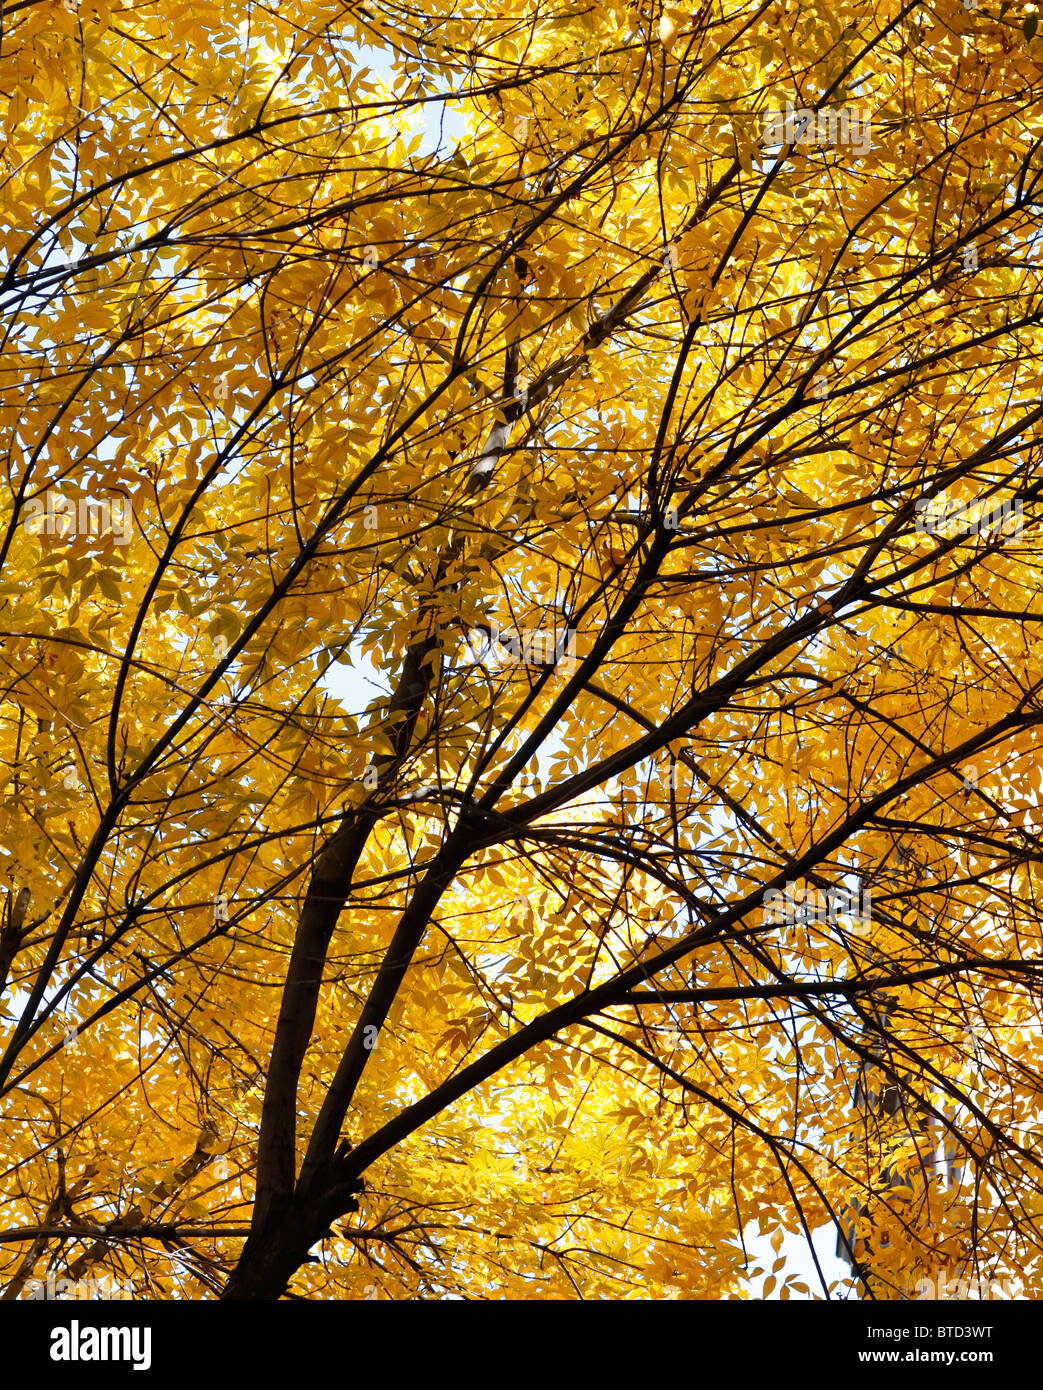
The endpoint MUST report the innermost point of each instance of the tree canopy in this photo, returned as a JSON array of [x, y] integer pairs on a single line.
[[521, 666]]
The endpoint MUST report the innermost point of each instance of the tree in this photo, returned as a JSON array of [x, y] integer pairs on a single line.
[[520, 644]]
